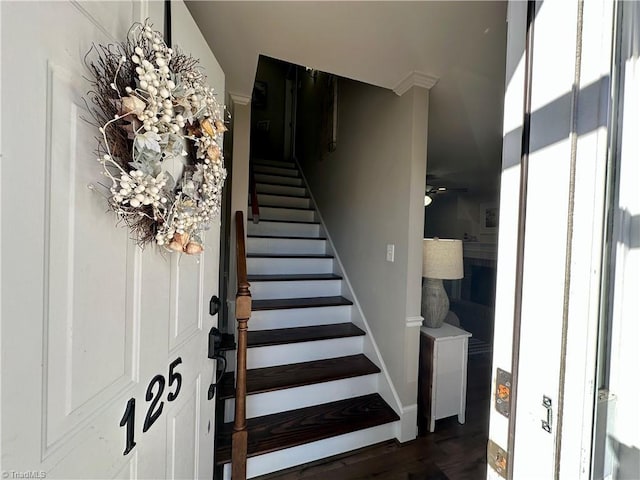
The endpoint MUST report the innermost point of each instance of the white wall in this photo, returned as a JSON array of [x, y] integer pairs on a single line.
[[370, 194], [187, 35]]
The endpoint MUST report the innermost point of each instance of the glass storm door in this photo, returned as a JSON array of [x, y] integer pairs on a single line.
[[557, 139]]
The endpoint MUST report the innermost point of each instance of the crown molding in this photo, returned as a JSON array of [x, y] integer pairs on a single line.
[[415, 79], [239, 99]]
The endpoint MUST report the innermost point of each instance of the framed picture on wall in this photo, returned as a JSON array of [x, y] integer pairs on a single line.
[[488, 218]]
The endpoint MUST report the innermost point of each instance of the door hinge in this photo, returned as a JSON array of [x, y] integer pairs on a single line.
[[502, 400], [497, 458]]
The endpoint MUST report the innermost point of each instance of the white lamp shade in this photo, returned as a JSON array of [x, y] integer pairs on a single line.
[[442, 258]]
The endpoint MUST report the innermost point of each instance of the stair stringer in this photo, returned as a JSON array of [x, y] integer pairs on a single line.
[[407, 427]]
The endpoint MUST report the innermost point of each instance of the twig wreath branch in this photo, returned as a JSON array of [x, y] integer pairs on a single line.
[[160, 146]]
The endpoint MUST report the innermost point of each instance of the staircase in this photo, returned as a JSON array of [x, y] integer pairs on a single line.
[[311, 391]]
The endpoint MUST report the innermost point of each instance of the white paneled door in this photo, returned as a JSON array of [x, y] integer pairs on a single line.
[[104, 362]]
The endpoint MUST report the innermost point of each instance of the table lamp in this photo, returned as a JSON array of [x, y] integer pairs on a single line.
[[441, 260]]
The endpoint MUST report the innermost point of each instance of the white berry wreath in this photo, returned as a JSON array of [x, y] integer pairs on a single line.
[[154, 109]]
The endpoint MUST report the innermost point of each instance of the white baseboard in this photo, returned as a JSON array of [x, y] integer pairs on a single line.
[[407, 427]]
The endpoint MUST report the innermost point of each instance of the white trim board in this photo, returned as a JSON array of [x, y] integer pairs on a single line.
[[412, 322]]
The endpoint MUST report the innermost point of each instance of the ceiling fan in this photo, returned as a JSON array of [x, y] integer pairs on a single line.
[[432, 190]]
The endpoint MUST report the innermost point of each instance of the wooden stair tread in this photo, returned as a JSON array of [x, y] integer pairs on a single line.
[[293, 277], [286, 207], [305, 425], [269, 379], [297, 197], [290, 168], [282, 336], [292, 195], [267, 162], [283, 166], [291, 173], [285, 221], [263, 181], [288, 255], [309, 302], [287, 237]]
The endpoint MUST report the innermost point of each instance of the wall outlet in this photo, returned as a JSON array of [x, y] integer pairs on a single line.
[[391, 250]]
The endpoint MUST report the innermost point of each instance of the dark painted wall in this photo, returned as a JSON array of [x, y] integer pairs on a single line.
[[268, 109]]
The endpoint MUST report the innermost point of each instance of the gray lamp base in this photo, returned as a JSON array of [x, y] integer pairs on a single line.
[[435, 303]]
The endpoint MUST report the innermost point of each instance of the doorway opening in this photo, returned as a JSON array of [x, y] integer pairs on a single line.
[[465, 209]]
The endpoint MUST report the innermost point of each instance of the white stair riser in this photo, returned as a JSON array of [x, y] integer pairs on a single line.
[[299, 317], [310, 230], [285, 245], [283, 201], [296, 289], [273, 170], [274, 163], [274, 266], [259, 357], [305, 396], [290, 214], [309, 452], [279, 179], [281, 190]]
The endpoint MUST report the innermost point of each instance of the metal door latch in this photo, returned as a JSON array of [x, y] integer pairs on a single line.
[[214, 305], [546, 423], [215, 342]]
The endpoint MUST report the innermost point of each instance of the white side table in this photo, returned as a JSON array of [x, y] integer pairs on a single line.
[[442, 382]]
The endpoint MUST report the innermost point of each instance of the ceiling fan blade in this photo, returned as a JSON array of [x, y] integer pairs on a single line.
[[433, 190]]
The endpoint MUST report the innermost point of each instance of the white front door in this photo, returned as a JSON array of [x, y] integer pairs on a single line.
[[552, 206], [104, 346]]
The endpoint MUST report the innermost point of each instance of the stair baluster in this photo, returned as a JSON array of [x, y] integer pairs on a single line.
[[243, 313]]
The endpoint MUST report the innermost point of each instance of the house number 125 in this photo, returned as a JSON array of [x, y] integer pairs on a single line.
[[155, 407]]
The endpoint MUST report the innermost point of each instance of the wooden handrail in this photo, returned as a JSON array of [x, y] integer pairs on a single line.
[[243, 313], [255, 208]]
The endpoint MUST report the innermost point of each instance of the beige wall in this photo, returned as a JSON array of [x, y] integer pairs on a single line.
[[370, 193], [187, 37], [241, 128]]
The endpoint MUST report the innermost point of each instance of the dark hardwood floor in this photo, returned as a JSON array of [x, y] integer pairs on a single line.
[[452, 452]]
